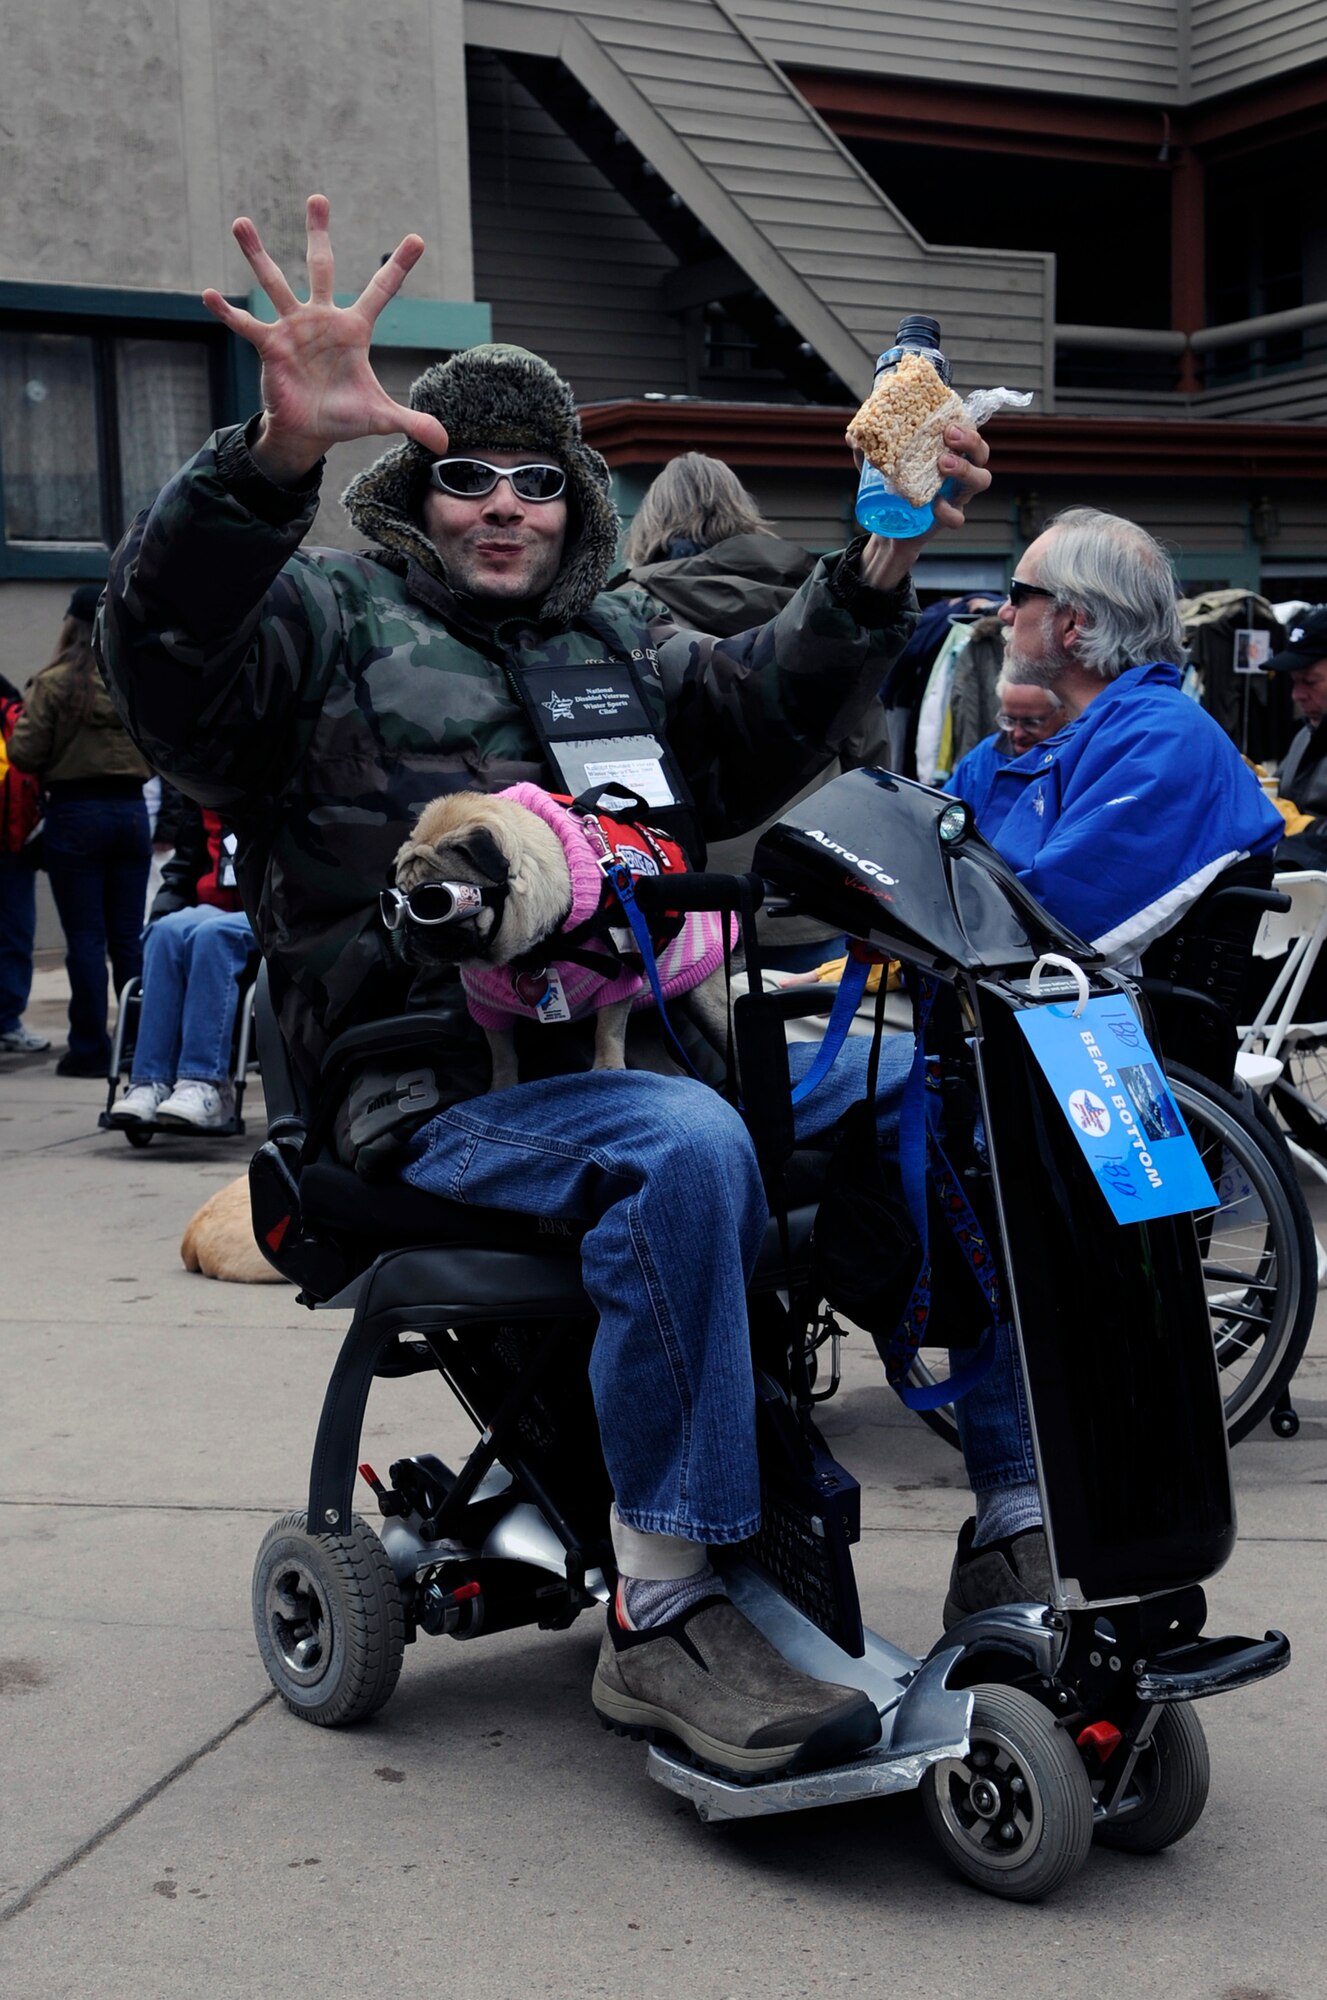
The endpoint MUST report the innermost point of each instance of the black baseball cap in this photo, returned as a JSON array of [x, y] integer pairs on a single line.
[[1306, 641], [83, 604]]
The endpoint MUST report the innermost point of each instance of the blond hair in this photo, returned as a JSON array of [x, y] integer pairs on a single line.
[[694, 499]]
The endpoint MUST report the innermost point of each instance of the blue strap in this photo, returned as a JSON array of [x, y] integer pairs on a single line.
[[619, 875], [851, 988], [968, 1234], [846, 1000], [920, 1159]]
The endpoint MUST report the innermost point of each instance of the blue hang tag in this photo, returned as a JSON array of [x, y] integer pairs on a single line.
[[1114, 1093]]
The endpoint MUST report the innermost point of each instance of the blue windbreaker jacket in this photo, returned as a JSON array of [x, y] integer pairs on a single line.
[[1120, 820]]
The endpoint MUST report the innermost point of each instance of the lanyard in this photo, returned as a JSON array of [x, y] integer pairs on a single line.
[[922, 1159]]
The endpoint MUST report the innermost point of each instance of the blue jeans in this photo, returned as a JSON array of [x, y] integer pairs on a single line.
[[192, 963], [665, 1174], [18, 928], [98, 852]]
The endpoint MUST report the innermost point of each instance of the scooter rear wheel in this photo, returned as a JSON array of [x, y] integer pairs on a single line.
[[1015, 1814], [327, 1614], [1170, 1780]]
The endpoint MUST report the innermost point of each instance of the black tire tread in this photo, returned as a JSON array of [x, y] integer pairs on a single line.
[[1180, 1780], [1066, 1797], [367, 1599]]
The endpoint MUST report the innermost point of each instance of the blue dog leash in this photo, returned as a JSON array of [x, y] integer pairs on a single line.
[[850, 991], [922, 1158]]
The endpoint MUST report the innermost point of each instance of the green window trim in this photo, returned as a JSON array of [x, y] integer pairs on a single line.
[[441, 325], [438, 325]]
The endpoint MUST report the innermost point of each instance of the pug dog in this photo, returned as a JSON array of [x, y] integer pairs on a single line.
[[508, 874]]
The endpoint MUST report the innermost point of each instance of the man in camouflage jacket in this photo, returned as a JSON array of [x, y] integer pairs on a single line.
[[320, 699]]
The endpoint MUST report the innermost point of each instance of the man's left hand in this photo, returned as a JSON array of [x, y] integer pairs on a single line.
[[884, 565]]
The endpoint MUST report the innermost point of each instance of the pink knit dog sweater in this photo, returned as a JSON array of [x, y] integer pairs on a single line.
[[491, 990]]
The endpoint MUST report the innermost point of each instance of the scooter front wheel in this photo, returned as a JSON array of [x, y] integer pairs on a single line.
[[328, 1618], [1169, 1785], [1015, 1814]]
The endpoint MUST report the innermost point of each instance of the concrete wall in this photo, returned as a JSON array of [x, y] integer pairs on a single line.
[[133, 134]]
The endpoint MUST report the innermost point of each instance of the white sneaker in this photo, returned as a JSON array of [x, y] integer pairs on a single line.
[[202, 1105], [140, 1104], [21, 1041]]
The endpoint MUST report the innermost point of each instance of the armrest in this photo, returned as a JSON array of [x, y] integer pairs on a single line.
[[288, 1109]]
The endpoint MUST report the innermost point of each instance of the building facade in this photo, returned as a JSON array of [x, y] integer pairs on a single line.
[[710, 215]]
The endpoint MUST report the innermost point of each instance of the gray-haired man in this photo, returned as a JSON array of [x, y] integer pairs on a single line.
[[1117, 822]]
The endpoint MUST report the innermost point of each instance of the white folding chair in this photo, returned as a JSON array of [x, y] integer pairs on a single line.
[[1271, 1040]]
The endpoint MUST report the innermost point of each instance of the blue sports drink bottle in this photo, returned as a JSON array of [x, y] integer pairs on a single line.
[[880, 510]]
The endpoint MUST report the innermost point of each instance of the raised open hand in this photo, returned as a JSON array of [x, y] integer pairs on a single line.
[[318, 386]]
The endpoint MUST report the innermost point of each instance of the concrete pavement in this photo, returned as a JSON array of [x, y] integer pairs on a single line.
[[167, 1826]]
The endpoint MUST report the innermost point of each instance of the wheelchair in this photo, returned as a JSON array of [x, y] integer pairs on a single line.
[[244, 1057], [1030, 1729], [1259, 1250]]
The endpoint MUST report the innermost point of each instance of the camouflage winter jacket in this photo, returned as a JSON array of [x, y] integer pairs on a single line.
[[319, 699]]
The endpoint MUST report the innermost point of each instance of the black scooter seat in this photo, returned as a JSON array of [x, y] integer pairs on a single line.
[[395, 1216]]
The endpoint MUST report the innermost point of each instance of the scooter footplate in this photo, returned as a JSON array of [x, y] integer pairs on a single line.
[[923, 1719], [1213, 1666], [873, 1776]]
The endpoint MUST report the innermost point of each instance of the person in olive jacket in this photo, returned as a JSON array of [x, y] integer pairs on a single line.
[[97, 840], [318, 699]]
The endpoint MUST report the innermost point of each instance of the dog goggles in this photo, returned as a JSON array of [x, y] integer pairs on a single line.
[[433, 903], [472, 478]]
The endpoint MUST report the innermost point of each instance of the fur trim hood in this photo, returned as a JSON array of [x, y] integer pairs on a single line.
[[506, 399]]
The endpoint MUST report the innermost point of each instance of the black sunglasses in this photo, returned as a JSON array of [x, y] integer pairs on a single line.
[[1019, 592], [472, 478]]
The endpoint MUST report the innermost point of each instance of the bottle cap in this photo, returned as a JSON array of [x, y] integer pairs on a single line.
[[918, 328]]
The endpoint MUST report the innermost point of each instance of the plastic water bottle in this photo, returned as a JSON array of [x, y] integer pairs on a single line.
[[880, 510]]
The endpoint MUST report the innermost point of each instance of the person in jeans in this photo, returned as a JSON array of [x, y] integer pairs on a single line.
[[320, 698], [198, 945], [97, 840]]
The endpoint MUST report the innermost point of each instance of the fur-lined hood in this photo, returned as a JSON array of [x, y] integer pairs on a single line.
[[503, 399]]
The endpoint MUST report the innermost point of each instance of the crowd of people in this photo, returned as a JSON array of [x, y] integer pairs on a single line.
[[78, 799], [309, 700]]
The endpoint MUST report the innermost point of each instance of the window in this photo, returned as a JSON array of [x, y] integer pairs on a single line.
[[92, 423]]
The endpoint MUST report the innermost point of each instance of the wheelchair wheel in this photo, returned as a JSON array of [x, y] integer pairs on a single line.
[[1260, 1259], [1170, 1781], [1015, 1814], [327, 1614]]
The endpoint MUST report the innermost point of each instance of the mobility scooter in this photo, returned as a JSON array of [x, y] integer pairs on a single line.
[[1031, 1729]]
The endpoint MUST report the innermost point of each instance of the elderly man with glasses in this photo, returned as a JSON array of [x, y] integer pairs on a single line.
[[320, 699], [1118, 803], [1128, 801]]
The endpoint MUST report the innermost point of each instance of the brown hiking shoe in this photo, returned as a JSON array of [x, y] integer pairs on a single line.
[[1015, 1570], [713, 1682]]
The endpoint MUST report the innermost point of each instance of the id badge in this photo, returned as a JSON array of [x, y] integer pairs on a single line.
[[596, 730], [1112, 1089], [552, 1005]]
